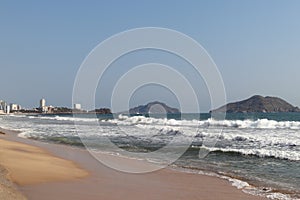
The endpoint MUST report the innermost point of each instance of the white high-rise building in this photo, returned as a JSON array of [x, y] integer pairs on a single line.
[[77, 106], [7, 109], [42, 103], [43, 106]]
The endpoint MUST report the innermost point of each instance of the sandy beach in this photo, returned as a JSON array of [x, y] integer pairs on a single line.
[[48, 171]]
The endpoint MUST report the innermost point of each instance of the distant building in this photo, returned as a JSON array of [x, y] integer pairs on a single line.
[[15, 107], [49, 109], [2, 108], [2, 105], [77, 106], [42, 103], [43, 106], [7, 110]]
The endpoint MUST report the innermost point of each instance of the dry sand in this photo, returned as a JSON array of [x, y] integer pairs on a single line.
[[43, 176], [31, 165], [7, 189]]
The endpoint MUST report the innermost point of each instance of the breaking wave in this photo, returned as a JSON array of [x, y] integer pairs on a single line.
[[138, 120]]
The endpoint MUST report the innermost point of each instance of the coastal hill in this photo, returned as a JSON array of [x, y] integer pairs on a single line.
[[153, 107], [258, 103]]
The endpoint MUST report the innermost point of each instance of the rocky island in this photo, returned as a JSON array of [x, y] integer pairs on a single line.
[[257, 104], [153, 107]]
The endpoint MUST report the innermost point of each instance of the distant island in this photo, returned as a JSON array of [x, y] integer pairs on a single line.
[[153, 107], [258, 103]]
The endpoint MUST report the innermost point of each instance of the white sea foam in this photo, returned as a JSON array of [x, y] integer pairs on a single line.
[[257, 124], [290, 155], [249, 189], [125, 120], [241, 124], [238, 183], [279, 196], [60, 118], [134, 120]]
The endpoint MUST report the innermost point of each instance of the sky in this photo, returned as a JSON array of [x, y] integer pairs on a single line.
[[255, 45]]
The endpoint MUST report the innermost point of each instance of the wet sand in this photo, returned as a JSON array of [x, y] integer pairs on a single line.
[[104, 182]]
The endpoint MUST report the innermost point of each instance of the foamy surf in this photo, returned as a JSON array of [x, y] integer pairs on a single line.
[[272, 146], [250, 189]]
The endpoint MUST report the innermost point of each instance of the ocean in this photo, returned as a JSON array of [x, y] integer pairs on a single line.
[[258, 152]]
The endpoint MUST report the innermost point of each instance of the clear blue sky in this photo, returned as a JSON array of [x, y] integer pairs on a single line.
[[255, 43]]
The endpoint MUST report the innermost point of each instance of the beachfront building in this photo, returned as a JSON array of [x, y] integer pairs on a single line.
[[15, 107], [7, 109], [2, 108], [42, 103], [77, 106], [2, 105], [43, 106]]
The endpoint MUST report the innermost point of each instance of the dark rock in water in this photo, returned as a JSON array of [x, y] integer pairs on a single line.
[[155, 107], [258, 103]]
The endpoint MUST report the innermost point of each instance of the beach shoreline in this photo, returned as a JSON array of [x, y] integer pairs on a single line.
[[106, 183]]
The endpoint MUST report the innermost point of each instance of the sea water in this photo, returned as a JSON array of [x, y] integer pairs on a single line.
[[258, 152]]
